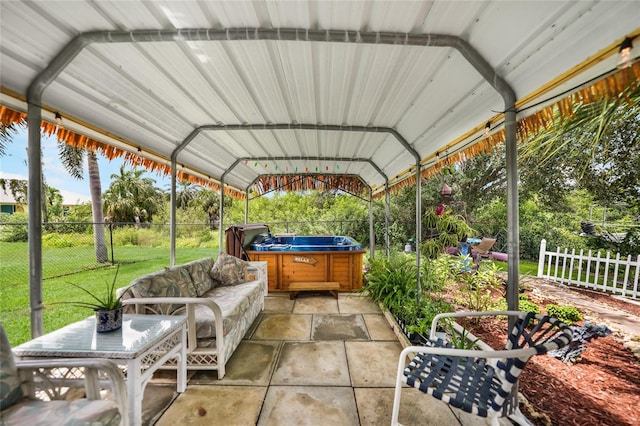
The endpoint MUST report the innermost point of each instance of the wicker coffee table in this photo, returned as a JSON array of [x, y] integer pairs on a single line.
[[142, 345]]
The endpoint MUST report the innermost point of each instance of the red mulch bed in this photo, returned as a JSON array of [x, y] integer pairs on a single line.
[[603, 388]]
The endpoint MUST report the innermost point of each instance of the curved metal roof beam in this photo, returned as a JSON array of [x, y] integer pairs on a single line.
[[289, 126], [314, 175], [298, 157], [78, 43]]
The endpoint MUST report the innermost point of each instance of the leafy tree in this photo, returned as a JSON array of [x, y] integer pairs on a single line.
[[613, 174], [132, 198], [54, 200], [17, 188], [596, 149], [351, 212], [480, 179]]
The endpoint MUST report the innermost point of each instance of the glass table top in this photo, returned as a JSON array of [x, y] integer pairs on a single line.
[[80, 339]]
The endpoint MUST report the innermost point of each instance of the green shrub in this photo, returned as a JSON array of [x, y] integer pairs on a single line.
[[391, 280], [14, 228], [419, 321], [477, 289], [527, 306], [55, 240], [460, 341], [631, 243], [566, 314], [524, 305], [125, 237], [145, 237]]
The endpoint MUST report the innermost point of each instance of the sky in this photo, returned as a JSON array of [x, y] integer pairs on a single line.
[[14, 166]]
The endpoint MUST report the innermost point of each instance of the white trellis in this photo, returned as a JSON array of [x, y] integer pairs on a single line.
[[606, 274]]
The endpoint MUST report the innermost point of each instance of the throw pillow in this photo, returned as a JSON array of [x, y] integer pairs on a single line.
[[229, 270]]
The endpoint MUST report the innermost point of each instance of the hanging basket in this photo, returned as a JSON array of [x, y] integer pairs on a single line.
[[108, 320]]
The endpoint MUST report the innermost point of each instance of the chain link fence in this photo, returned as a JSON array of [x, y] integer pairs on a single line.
[[68, 248]]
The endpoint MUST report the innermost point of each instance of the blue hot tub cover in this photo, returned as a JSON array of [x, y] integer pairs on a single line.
[[306, 243]]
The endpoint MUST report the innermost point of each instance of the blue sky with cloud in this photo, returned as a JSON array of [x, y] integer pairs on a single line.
[[14, 166]]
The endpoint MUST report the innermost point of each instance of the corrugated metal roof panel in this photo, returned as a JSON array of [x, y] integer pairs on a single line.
[[154, 94]]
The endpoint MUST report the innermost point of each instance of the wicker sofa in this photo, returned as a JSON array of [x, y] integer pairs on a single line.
[[221, 299]]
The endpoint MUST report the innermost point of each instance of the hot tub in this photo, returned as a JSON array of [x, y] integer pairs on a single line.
[[309, 260]]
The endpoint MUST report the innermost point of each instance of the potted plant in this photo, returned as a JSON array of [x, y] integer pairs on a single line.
[[107, 306]]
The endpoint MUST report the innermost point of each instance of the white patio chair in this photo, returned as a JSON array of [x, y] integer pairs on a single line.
[[480, 382], [34, 392]]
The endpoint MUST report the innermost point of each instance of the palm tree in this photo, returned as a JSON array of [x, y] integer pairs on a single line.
[[185, 194], [210, 203], [132, 198], [7, 133], [72, 159]]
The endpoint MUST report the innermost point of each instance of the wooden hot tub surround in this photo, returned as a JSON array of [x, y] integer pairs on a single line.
[[306, 268]]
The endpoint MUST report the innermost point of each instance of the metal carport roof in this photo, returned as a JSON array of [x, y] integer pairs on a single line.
[[275, 65], [278, 87]]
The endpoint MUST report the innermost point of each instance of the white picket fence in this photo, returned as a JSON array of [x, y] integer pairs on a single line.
[[610, 275]]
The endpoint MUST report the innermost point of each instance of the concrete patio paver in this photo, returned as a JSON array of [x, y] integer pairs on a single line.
[[252, 364], [315, 304], [215, 405], [278, 303], [378, 327], [356, 303], [375, 405], [283, 327], [309, 405], [339, 327], [313, 364], [373, 364]]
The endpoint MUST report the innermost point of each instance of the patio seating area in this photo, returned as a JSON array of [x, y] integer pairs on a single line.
[[314, 360]]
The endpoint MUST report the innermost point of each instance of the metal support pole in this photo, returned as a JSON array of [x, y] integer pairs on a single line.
[[34, 116], [387, 214], [418, 223], [246, 207], [173, 210], [372, 234], [221, 213], [513, 222]]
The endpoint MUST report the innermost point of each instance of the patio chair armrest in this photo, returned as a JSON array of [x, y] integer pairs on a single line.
[[468, 353], [91, 366]]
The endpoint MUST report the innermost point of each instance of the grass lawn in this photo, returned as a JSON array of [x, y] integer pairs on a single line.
[[69, 265], [526, 267], [62, 266]]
